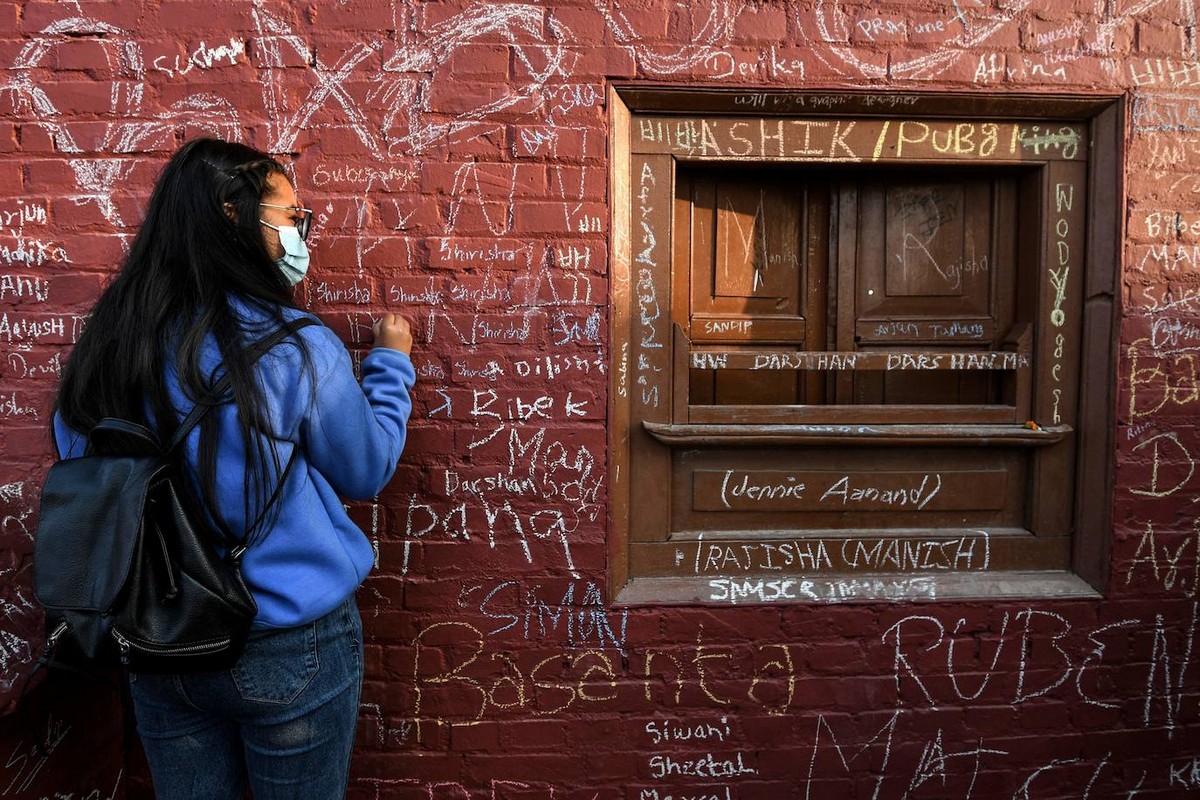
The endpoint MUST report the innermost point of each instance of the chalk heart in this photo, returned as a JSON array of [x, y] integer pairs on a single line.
[[965, 24], [117, 94], [119, 75], [119, 71]]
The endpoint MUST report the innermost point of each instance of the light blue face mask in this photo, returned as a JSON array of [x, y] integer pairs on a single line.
[[294, 263]]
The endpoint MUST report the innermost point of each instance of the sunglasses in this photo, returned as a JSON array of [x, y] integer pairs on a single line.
[[303, 218]]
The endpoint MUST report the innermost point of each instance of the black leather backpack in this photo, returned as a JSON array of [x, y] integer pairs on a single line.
[[126, 569]]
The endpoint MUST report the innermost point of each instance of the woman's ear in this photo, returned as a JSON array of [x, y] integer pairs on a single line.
[[229, 211]]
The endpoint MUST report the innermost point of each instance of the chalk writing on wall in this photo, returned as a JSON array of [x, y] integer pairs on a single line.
[[480, 207]]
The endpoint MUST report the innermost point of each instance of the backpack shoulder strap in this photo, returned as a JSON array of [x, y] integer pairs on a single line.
[[256, 352]]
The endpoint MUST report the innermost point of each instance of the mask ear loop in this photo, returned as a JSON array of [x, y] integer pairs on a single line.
[[254, 174]]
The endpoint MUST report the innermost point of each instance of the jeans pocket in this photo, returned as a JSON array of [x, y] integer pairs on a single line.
[[276, 667]]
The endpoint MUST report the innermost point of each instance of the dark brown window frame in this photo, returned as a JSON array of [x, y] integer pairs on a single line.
[[636, 297]]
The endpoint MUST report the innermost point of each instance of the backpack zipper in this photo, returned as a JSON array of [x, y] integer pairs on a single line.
[[126, 646], [58, 631]]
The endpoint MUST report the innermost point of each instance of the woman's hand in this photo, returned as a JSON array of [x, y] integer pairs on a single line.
[[393, 331]]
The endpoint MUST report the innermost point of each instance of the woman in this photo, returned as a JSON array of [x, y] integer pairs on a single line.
[[210, 272]]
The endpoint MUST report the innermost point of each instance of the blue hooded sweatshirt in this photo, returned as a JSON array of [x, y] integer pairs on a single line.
[[347, 440]]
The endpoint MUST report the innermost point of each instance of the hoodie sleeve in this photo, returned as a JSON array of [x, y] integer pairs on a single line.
[[354, 434]]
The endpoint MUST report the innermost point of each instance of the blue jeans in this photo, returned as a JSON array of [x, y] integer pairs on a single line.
[[282, 719]]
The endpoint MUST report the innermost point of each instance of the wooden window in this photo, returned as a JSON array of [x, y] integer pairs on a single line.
[[860, 295], [860, 356]]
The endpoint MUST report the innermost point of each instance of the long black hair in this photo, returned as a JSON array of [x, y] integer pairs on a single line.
[[200, 246]]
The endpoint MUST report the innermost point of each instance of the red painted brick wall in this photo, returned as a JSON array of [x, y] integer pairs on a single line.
[[456, 156]]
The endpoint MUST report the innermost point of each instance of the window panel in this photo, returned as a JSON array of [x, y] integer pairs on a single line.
[[834, 348]]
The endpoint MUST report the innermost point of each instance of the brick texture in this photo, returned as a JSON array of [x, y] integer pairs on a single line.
[[457, 156]]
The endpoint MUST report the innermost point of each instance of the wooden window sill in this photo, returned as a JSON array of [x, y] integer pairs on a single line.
[[675, 435], [854, 588]]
